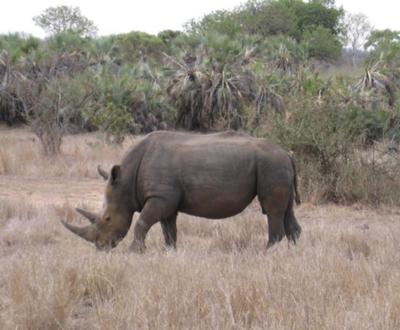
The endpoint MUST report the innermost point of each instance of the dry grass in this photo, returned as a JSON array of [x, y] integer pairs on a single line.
[[344, 272], [21, 154]]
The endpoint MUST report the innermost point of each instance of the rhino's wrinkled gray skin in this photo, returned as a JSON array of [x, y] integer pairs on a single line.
[[213, 176]]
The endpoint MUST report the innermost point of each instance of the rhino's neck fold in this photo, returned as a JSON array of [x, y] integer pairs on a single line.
[[131, 165]]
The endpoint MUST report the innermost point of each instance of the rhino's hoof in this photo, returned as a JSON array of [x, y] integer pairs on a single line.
[[137, 248]]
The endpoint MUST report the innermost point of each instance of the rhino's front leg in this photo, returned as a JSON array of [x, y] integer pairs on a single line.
[[141, 228], [154, 210]]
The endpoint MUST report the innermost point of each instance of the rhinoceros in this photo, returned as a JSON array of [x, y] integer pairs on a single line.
[[206, 175]]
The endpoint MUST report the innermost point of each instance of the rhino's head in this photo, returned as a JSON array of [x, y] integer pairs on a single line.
[[109, 228]]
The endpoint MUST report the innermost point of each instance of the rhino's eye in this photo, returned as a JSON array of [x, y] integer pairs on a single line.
[[107, 219]]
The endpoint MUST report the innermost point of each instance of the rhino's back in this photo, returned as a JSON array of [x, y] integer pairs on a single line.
[[215, 175]]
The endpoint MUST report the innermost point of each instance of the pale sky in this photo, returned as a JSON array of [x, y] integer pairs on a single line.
[[152, 16]]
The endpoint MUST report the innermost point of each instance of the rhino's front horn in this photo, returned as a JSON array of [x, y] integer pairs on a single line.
[[88, 233], [93, 218], [102, 172]]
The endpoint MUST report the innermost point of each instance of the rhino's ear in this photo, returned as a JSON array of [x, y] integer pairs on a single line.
[[115, 174], [102, 172]]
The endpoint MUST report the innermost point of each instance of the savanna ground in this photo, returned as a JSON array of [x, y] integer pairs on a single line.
[[343, 274]]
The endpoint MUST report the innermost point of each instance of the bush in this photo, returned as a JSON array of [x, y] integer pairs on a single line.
[[17, 45], [68, 42], [322, 44], [113, 119], [334, 165], [267, 18], [127, 100], [13, 48], [372, 125], [11, 108], [134, 46]]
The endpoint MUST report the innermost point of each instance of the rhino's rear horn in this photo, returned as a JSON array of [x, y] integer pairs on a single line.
[[102, 172], [92, 217], [88, 233]]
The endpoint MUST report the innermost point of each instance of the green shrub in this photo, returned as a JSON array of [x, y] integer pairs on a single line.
[[322, 44], [17, 45], [333, 163], [371, 125], [68, 42], [266, 18], [113, 119], [128, 100], [134, 46]]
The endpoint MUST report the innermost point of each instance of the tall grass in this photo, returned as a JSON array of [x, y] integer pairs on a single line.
[[340, 275], [21, 154]]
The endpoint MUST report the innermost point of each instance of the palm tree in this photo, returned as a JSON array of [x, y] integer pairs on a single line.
[[210, 93], [374, 80]]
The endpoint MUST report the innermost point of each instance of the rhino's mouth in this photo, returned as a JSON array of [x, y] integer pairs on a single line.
[[107, 246]]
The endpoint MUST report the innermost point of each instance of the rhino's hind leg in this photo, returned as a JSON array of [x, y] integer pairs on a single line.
[[154, 210], [276, 229], [168, 226], [292, 227], [274, 205]]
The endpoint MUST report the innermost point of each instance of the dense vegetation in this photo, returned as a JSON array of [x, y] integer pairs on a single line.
[[256, 68]]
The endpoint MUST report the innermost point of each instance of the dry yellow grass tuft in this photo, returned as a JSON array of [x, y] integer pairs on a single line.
[[344, 272], [21, 154]]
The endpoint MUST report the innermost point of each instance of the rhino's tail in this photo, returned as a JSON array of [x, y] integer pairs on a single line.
[[296, 191]]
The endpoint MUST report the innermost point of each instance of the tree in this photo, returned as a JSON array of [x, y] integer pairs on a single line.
[[220, 21], [267, 18], [52, 107], [357, 28], [385, 45], [264, 18], [65, 19], [316, 13], [322, 44], [53, 94]]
